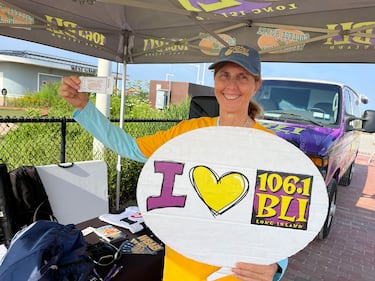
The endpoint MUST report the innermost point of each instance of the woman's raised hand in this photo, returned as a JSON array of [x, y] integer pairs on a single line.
[[69, 91]]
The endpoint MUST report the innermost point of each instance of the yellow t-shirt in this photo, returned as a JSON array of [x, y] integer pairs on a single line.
[[149, 144], [176, 266]]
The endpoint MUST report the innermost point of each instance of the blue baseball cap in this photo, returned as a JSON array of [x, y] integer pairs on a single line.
[[242, 55]]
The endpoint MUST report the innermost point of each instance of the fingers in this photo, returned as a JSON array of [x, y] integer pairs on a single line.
[[69, 91], [72, 81], [70, 86], [254, 272]]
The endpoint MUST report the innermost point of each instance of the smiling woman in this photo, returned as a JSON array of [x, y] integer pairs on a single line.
[[240, 64]]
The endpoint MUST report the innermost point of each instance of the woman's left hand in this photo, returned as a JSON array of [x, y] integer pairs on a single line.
[[254, 272]]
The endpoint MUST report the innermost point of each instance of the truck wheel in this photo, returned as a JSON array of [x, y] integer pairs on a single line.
[[347, 177], [332, 193]]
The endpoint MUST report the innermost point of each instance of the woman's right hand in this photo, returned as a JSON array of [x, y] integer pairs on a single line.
[[69, 91]]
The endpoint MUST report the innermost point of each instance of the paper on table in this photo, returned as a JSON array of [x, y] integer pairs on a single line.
[[109, 233], [99, 85], [130, 219]]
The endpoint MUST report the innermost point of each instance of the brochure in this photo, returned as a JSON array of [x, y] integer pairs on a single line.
[[143, 244], [109, 233]]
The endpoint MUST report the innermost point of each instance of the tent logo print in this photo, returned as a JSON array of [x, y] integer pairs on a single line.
[[224, 7], [273, 38], [71, 31]]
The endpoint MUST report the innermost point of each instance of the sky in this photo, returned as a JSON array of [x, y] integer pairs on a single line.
[[360, 77]]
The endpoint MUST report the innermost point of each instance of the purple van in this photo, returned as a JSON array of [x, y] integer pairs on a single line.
[[324, 120]]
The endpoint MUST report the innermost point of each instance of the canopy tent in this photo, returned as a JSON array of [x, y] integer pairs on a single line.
[[179, 31], [187, 31]]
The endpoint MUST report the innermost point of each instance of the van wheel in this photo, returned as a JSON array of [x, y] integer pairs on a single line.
[[332, 194], [347, 177]]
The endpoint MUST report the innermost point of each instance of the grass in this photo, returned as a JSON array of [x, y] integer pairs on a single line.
[[4, 112]]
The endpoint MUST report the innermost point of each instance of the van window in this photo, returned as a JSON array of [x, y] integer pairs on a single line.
[[353, 106], [352, 103], [348, 102], [304, 102]]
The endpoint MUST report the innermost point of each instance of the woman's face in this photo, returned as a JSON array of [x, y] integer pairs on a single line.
[[234, 88]]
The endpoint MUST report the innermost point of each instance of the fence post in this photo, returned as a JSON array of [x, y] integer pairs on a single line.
[[63, 140]]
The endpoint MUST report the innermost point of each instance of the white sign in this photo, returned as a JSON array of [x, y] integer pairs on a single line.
[[220, 195]]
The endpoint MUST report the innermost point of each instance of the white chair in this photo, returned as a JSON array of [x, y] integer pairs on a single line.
[[76, 193]]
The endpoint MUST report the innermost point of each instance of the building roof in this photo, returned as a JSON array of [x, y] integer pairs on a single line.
[[39, 59]]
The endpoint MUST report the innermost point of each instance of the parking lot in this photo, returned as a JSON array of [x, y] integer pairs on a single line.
[[348, 254]]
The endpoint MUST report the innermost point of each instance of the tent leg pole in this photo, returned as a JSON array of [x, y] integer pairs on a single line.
[[118, 182], [122, 114]]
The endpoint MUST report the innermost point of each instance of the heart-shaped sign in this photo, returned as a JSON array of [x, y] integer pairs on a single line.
[[219, 194]]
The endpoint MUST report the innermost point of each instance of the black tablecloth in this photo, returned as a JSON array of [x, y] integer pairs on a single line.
[[137, 267]]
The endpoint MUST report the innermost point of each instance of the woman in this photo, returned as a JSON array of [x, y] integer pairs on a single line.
[[237, 78]]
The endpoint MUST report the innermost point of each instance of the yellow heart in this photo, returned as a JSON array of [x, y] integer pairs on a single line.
[[219, 194]]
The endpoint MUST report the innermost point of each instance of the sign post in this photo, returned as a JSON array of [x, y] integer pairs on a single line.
[[4, 92]]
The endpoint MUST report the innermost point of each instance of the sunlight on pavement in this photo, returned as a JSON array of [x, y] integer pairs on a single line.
[[367, 200]]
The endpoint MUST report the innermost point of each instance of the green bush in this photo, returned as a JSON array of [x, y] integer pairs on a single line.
[[35, 144], [45, 98]]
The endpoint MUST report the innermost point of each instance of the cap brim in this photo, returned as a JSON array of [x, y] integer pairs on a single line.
[[213, 66]]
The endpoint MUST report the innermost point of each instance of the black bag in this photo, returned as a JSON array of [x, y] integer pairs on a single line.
[[24, 200], [5, 206]]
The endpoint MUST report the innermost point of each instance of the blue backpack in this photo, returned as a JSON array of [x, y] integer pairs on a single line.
[[46, 251]]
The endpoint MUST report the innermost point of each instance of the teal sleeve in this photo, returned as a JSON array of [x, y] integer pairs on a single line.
[[283, 264], [110, 135]]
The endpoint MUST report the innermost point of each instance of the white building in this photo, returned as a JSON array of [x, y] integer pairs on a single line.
[[24, 72]]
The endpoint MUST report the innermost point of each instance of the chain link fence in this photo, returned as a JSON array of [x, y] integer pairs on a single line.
[[44, 141]]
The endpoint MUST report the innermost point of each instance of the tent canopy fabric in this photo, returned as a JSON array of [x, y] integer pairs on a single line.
[[186, 31]]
